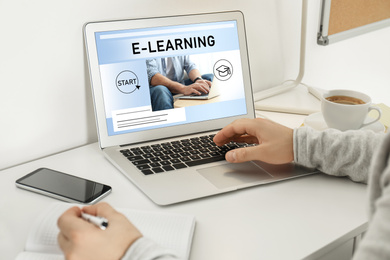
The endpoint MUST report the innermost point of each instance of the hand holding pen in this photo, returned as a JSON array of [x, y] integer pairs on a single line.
[[80, 237]]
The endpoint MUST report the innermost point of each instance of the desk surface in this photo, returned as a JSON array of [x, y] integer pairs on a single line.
[[294, 219]]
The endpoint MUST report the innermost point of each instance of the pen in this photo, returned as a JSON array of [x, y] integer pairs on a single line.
[[100, 222]]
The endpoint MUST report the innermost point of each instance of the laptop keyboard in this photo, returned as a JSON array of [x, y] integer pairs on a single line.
[[179, 154]]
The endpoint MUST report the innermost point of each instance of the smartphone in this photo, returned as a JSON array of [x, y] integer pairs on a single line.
[[63, 186]]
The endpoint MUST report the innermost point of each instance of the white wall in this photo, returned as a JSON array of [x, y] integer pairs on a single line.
[[45, 101], [361, 63]]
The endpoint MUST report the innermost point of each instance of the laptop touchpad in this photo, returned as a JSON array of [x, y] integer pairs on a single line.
[[234, 174]]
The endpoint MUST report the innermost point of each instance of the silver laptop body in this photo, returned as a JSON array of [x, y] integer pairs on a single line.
[[117, 53]]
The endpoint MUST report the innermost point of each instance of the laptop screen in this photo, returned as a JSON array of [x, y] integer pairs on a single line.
[[143, 71]]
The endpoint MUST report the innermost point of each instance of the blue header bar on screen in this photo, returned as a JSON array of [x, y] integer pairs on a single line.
[[126, 45]]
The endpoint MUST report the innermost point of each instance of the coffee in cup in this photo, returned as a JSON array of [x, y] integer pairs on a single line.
[[347, 109], [345, 100]]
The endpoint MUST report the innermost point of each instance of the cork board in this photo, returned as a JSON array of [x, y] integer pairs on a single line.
[[349, 14], [342, 19]]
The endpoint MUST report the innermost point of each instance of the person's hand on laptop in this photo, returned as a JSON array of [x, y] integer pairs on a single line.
[[275, 141], [197, 88], [79, 239]]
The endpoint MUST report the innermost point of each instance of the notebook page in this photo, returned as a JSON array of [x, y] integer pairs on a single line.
[[172, 231], [43, 235], [38, 256]]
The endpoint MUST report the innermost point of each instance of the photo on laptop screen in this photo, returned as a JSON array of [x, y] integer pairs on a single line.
[[129, 59]]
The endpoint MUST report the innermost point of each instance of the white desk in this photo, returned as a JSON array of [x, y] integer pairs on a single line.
[[300, 218]]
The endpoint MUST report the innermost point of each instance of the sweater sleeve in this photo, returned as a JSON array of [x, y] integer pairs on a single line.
[[376, 241], [146, 249], [336, 153]]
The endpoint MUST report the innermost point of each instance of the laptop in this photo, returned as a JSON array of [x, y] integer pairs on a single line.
[[131, 133], [213, 92]]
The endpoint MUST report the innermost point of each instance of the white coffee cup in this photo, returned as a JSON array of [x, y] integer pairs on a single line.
[[345, 113]]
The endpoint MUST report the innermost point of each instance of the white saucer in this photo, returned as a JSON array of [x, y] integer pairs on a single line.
[[317, 122]]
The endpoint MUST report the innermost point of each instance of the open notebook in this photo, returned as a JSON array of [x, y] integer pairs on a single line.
[[172, 231]]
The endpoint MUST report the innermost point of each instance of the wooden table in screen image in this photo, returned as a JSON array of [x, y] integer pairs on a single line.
[[193, 102]]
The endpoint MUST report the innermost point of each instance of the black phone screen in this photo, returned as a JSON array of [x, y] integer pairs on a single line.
[[64, 185]]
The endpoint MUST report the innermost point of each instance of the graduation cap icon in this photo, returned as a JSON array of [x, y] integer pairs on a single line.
[[223, 71]]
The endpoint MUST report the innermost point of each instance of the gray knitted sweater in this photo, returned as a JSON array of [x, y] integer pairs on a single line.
[[363, 156]]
